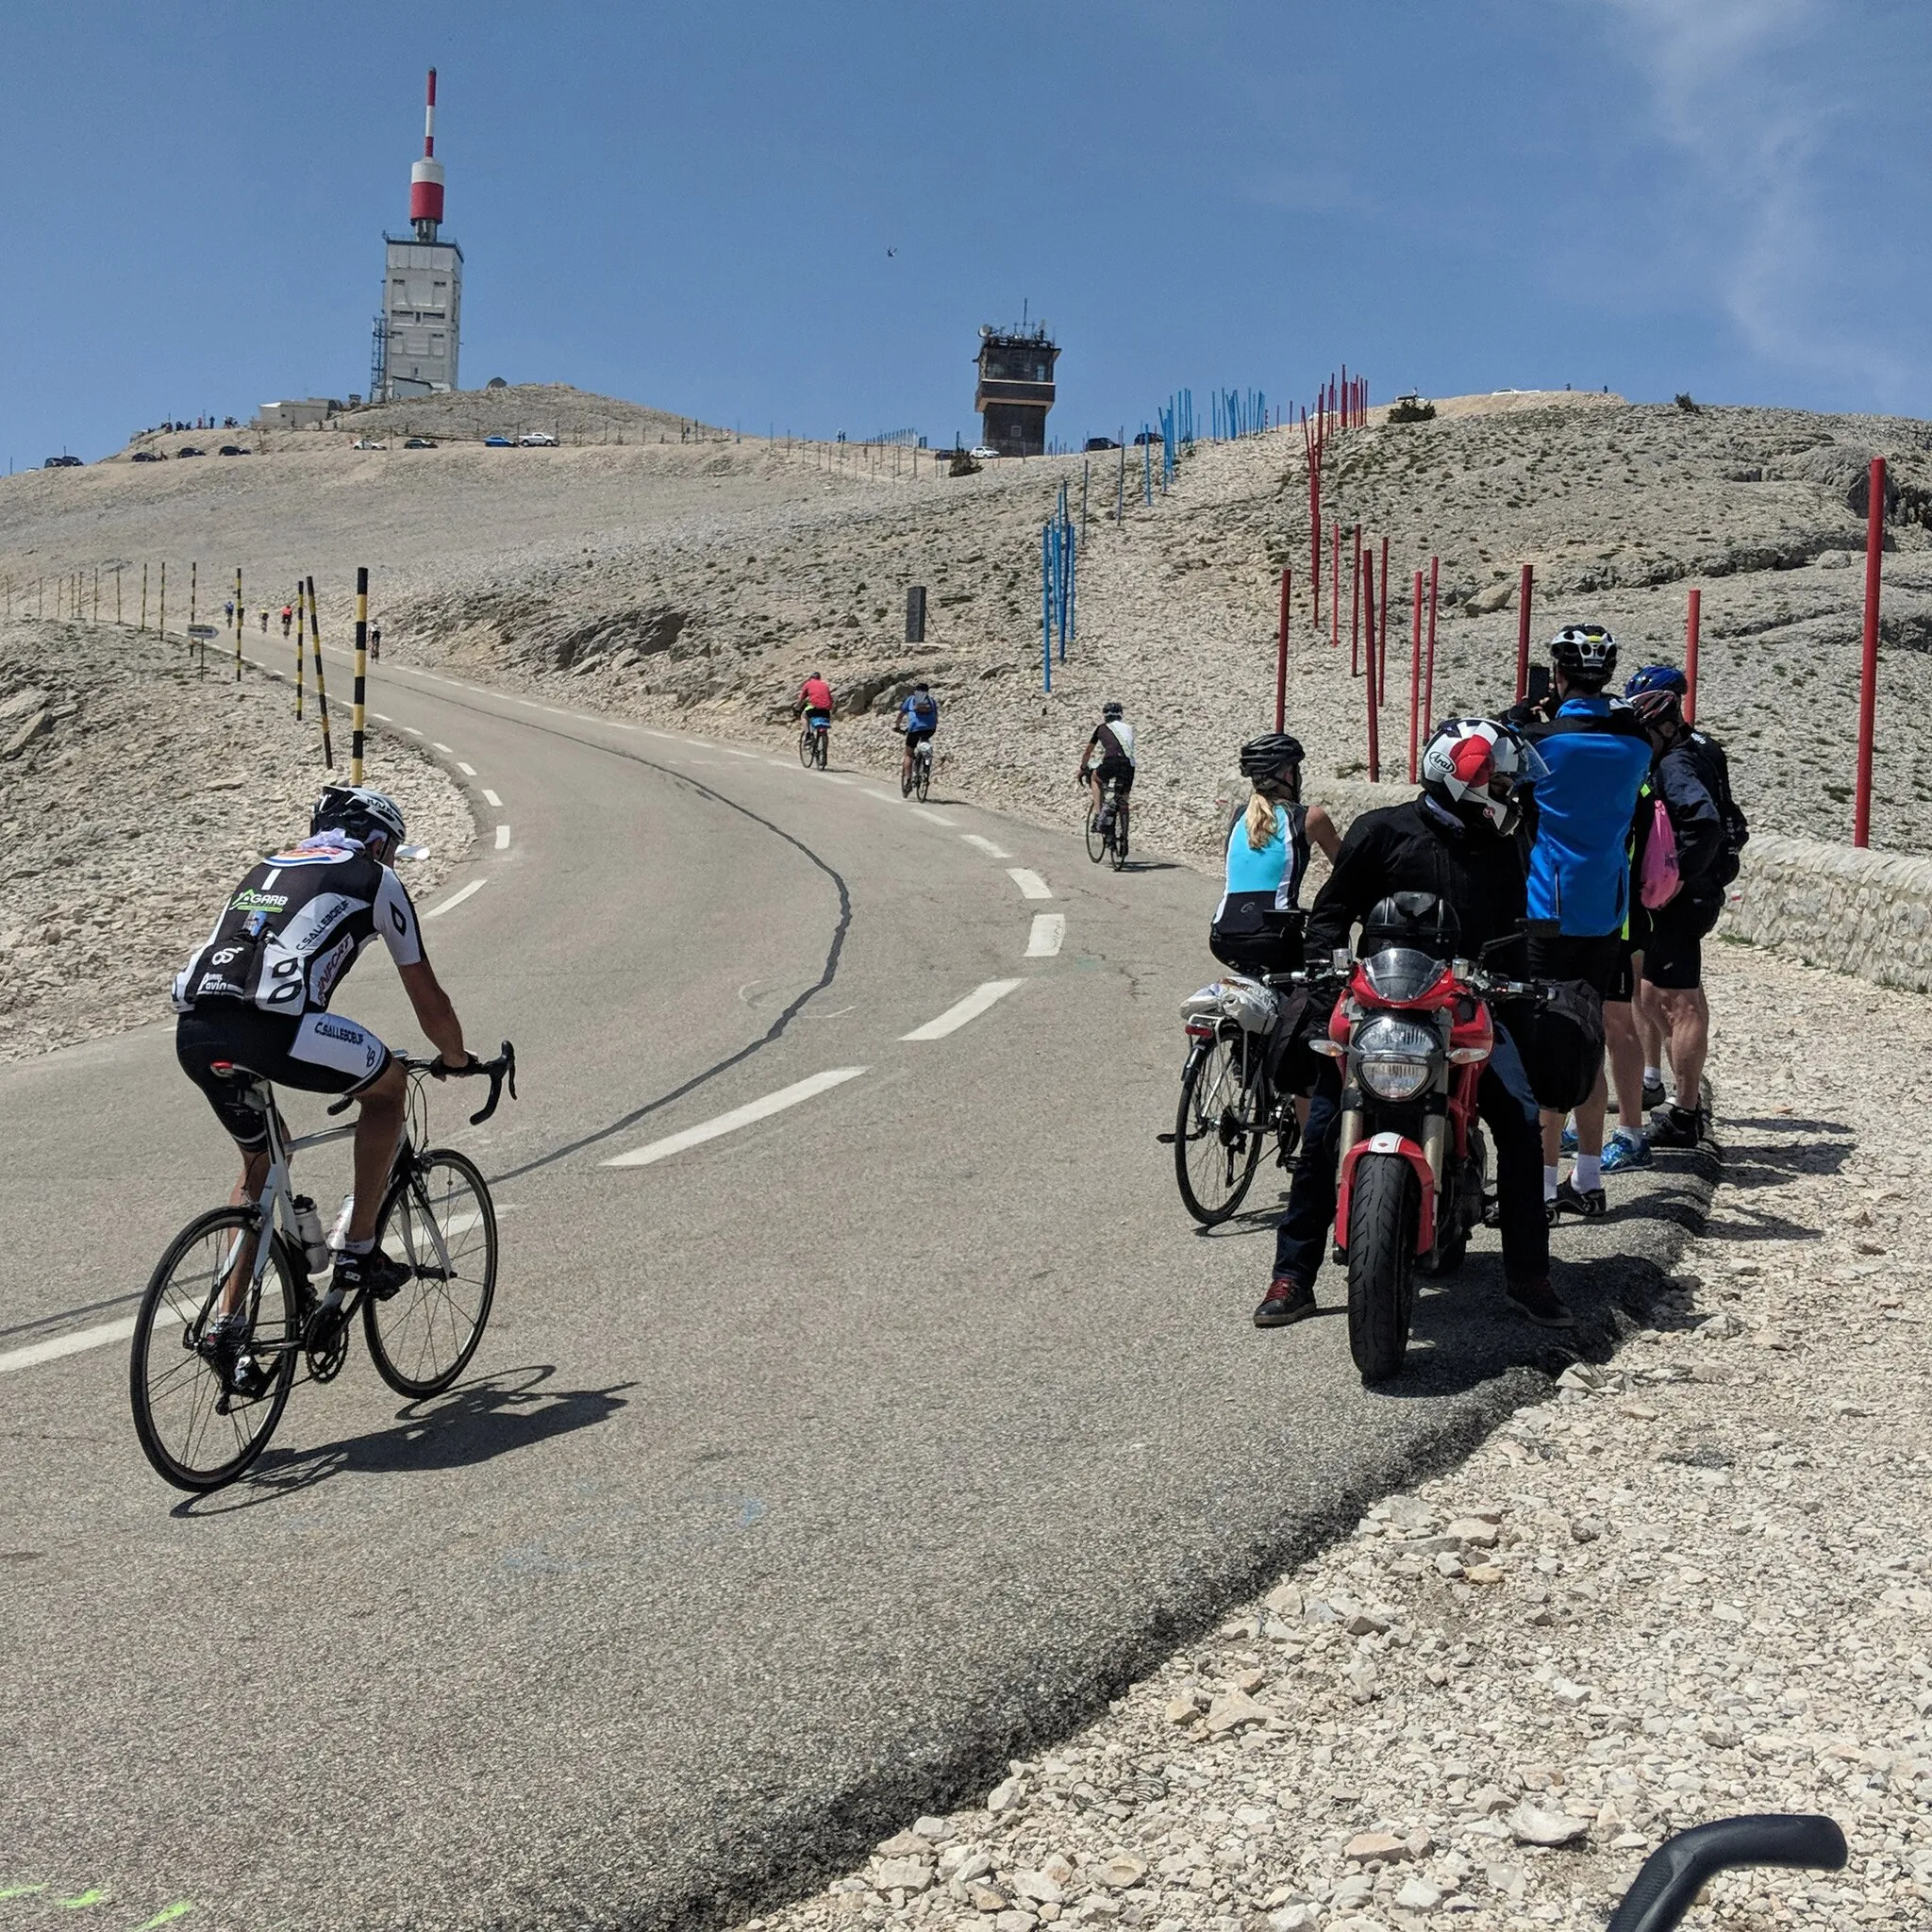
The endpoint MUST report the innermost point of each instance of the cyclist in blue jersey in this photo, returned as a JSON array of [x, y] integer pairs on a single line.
[[1598, 755], [918, 718], [1267, 849]]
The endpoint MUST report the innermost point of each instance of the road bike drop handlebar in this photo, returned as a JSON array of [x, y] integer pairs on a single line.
[[500, 1072], [1677, 1870]]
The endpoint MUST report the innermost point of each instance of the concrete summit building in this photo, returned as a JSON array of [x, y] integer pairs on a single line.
[[1016, 388], [419, 334]]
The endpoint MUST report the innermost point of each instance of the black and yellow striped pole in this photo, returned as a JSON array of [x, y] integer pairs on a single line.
[[163, 626], [361, 674], [329, 756], [239, 614], [298, 647], [193, 591]]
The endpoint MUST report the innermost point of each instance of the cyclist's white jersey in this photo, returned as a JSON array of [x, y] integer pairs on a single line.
[[1123, 734], [294, 927]]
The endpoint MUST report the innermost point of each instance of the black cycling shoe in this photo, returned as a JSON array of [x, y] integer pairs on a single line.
[[1654, 1095], [1287, 1300], [1675, 1127], [244, 1374], [1592, 1204], [1539, 1303], [373, 1273]]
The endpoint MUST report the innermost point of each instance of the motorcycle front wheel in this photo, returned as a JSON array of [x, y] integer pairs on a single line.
[[1383, 1202]]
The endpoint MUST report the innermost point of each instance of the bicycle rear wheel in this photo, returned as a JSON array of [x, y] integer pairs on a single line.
[[196, 1432], [1120, 840], [922, 777], [1097, 839], [822, 745], [1216, 1147], [440, 1223]]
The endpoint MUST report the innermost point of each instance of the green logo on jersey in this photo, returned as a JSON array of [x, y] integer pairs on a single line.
[[249, 899]]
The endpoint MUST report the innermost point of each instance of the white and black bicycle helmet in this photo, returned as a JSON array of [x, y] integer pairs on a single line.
[[1586, 653], [360, 812], [1112, 709]]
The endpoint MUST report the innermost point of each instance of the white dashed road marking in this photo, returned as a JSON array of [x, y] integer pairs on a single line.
[[1030, 884], [456, 899], [491, 798], [468, 771], [503, 838], [738, 1116], [412, 731], [975, 1004], [97, 1337], [440, 747], [986, 845], [932, 815], [1049, 931]]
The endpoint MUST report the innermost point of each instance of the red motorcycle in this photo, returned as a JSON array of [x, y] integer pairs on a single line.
[[1412, 1031]]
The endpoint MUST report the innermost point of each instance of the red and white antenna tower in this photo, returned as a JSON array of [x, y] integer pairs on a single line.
[[425, 177]]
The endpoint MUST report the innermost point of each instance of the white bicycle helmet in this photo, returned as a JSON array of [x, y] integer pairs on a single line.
[[359, 812], [1585, 653]]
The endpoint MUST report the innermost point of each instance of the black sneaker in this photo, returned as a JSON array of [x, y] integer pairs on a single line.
[[1538, 1302], [1654, 1095], [373, 1273], [1286, 1301], [1675, 1127], [1592, 1204]]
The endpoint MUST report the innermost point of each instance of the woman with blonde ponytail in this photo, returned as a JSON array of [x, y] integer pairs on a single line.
[[1256, 927]]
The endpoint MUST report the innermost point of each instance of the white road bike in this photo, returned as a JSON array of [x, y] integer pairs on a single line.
[[205, 1402]]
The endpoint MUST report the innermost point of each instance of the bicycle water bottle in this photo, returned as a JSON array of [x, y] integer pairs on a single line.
[[308, 1226]]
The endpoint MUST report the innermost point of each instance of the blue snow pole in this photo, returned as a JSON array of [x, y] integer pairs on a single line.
[[1046, 608]]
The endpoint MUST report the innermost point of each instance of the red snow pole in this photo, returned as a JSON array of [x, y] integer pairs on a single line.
[[1522, 635], [1375, 697], [1415, 677], [1382, 640], [1354, 608], [1693, 623], [1430, 667], [1335, 587], [1867, 679], [1281, 661]]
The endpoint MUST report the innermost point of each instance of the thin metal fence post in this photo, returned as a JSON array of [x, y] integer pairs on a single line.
[[1868, 677], [1282, 659]]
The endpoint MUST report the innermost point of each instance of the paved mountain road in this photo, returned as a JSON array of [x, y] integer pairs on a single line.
[[803, 1474]]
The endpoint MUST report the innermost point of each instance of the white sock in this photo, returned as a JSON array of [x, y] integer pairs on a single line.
[[1653, 1076], [359, 1247], [1588, 1175], [1549, 1184]]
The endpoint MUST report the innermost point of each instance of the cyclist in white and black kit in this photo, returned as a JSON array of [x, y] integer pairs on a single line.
[[1109, 760], [256, 998]]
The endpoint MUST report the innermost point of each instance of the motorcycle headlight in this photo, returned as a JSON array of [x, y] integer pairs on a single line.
[[1395, 1058]]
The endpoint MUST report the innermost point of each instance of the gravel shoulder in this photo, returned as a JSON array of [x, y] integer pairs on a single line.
[[133, 793], [1695, 1582]]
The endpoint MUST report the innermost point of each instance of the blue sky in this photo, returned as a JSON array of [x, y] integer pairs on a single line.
[[693, 206]]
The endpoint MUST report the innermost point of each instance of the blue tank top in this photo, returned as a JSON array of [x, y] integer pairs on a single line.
[[1280, 865]]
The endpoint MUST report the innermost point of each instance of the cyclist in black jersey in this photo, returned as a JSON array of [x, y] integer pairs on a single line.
[[256, 998]]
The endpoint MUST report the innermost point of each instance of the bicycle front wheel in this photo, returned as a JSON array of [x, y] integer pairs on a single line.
[[1097, 839], [1120, 842], [202, 1417], [440, 1223], [805, 753]]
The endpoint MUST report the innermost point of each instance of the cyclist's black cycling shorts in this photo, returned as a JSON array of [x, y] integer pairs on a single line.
[[1603, 964], [915, 737], [322, 1053], [1675, 958], [1116, 772]]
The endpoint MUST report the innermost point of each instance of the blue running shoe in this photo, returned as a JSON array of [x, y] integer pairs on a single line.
[[1624, 1150], [1569, 1142]]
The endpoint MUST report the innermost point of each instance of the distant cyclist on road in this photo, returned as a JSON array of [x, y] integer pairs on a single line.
[[1109, 760], [255, 996], [918, 718], [815, 700]]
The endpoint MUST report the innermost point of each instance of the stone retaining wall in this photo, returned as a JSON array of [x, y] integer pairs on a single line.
[[1868, 913]]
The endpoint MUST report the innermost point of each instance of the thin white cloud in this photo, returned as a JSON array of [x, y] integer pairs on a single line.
[[1736, 86]]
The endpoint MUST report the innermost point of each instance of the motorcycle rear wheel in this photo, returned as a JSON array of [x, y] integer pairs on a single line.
[[1383, 1202]]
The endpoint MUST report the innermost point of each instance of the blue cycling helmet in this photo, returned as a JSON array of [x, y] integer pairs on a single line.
[[1658, 677]]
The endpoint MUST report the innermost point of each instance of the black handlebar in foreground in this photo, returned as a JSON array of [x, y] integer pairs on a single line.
[[501, 1073], [1678, 1869]]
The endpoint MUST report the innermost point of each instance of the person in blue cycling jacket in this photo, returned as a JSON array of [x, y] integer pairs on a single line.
[[1598, 756], [918, 718]]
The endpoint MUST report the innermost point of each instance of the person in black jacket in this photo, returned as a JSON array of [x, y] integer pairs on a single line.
[[1673, 955], [1454, 841]]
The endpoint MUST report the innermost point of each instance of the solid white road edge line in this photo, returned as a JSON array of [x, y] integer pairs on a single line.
[[503, 838], [1049, 931], [1030, 884], [491, 798], [975, 1004], [456, 899], [986, 845], [97, 1337], [738, 1117]]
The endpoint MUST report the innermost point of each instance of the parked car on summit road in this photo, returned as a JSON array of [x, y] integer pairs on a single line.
[[498, 442], [368, 443], [417, 442], [980, 453], [188, 449], [233, 449], [1094, 442], [61, 463], [535, 438], [147, 456]]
